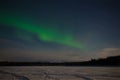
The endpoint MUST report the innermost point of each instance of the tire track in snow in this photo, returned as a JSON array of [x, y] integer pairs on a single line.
[[48, 75], [15, 75]]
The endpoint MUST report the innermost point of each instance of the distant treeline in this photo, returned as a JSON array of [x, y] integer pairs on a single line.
[[109, 61]]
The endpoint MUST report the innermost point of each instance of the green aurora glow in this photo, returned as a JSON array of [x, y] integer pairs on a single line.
[[45, 34]]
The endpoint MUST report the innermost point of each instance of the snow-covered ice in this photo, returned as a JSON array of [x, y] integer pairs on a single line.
[[59, 73]]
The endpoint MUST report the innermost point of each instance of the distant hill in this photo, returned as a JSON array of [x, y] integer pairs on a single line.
[[109, 61]]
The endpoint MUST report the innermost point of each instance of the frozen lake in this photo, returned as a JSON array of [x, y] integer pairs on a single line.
[[59, 73]]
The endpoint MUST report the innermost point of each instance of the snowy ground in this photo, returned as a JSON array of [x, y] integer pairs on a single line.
[[59, 73]]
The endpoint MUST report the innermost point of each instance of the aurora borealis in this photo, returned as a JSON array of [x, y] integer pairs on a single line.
[[43, 33], [59, 30]]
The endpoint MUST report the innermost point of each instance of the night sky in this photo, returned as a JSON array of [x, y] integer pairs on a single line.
[[59, 30]]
